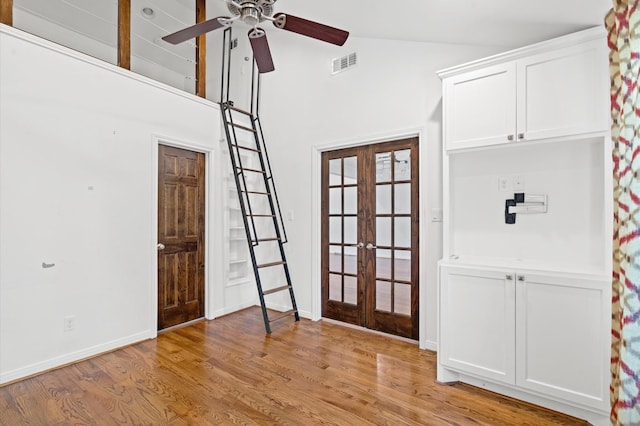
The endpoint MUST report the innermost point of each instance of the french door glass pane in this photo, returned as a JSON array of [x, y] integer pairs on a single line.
[[383, 231], [335, 258], [402, 231], [402, 198], [335, 230], [350, 290], [351, 260], [335, 201], [402, 265], [383, 264], [351, 200], [402, 299], [383, 167], [335, 287], [402, 165], [350, 230], [383, 296], [350, 171], [335, 172], [383, 199]]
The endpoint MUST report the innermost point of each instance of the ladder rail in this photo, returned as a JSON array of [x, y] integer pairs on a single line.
[[240, 183], [264, 163], [269, 181]]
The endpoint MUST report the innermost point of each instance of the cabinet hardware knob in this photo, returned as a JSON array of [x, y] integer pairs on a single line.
[[510, 137], [520, 277], [360, 245], [509, 277], [161, 246], [520, 135]]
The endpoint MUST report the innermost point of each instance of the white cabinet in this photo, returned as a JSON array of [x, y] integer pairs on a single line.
[[477, 322], [524, 309], [546, 332], [480, 107], [526, 97], [560, 92], [562, 337]]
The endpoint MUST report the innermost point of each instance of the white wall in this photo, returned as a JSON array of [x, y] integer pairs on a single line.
[[78, 189], [393, 92]]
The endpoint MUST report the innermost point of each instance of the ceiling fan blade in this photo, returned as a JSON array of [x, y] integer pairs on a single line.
[[310, 28], [261, 51], [195, 30]]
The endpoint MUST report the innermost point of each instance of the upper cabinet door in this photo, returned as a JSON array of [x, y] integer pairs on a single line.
[[480, 107], [563, 92]]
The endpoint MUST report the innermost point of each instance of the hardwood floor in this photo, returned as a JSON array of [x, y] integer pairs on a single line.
[[227, 371]]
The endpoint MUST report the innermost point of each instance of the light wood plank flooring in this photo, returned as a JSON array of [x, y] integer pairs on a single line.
[[227, 371]]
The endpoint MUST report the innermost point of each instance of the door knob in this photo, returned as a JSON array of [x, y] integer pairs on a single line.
[[160, 246], [370, 246], [360, 245]]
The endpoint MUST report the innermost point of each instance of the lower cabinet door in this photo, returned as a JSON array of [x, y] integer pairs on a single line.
[[477, 322], [562, 337]]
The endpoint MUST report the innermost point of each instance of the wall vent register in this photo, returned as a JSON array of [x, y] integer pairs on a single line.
[[342, 64]]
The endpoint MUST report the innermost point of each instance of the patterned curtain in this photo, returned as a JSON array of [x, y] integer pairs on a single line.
[[623, 25]]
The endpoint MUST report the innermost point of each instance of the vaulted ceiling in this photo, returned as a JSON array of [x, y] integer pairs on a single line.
[[508, 23]]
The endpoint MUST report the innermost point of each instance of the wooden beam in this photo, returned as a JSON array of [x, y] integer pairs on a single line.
[[124, 34], [201, 51], [6, 12]]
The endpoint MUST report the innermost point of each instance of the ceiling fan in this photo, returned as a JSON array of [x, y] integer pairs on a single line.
[[252, 13]]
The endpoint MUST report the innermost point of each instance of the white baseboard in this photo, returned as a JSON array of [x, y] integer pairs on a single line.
[[39, 367], [429, 345], [231, 309]]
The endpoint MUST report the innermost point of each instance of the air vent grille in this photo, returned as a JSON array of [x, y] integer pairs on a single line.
[[344, 63]]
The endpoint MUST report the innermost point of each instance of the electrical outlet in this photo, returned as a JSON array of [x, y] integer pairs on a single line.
[[503, 184], [518, 184], [70, 323]]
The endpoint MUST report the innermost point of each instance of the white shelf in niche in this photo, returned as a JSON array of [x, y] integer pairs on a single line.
[[525, 265]]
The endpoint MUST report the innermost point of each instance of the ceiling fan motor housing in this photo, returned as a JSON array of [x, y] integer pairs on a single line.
[[252, 12]]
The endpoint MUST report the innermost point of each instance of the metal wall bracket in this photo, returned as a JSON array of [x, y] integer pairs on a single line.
[[524, 204]]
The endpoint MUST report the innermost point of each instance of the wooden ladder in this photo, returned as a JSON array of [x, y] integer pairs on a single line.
[[259, 207]]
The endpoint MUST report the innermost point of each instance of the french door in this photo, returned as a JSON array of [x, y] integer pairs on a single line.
[[370, 236]]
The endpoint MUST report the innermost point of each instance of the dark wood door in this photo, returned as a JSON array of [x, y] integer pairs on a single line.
[[370, 230], [181, 207]]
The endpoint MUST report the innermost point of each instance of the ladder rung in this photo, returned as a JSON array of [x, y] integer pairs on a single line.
[[239, 126], [266, 265], [283, 315], [275, 290], [246, 147], [260, 215], [264, 240], [250, 170], [256, 192], [238, 110]]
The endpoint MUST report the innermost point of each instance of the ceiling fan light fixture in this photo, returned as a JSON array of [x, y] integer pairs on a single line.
[[250, 16]]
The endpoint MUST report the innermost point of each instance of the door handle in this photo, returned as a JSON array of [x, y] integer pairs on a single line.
[[370, 246], [360, 245], [161, 246]]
